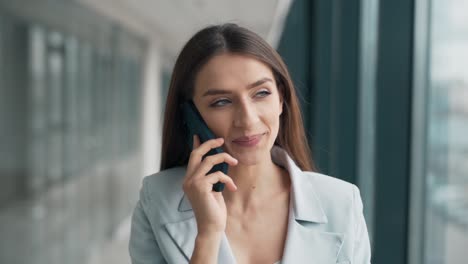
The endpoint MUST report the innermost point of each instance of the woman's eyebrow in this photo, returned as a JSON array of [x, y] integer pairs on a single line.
[[250, 86]]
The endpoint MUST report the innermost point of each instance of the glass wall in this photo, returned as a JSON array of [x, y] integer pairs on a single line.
[[70, 137], [446, 180]]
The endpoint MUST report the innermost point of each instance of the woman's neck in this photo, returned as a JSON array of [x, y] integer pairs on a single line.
[[256, 185]]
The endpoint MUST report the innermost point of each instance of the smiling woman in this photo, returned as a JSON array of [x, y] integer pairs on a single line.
[[245, 111], [278, 208], [201, 60]]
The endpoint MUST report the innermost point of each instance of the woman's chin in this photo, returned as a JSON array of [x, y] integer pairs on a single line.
[[249, 158]]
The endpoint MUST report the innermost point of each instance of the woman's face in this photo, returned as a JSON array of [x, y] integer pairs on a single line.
[[237, 97]]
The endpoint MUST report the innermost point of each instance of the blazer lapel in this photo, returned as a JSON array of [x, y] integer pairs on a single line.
[[305, 240]]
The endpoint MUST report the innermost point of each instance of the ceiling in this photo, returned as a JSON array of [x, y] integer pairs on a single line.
[[170, 23]]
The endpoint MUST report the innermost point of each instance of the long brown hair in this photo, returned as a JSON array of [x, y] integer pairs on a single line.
[[205, 44]]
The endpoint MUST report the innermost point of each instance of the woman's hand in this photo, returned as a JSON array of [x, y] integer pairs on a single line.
[[209, 206]]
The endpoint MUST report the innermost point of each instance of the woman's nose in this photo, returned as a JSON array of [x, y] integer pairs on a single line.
[[246, 115]]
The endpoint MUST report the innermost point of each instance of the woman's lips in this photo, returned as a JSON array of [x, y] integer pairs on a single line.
[[248, 141]]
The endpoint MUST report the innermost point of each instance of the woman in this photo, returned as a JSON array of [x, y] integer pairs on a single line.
[[276, 208]]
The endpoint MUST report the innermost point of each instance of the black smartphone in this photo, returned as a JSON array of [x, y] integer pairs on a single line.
[[196, 125]]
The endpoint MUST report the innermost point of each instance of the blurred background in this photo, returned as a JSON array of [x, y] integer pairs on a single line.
[[383, 87]]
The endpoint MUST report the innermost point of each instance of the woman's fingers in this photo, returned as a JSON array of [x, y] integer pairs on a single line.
[[193, 162], [217, 176], [197, 166], [209, 162], [201, 150]]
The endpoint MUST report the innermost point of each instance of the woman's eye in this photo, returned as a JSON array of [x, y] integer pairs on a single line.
[[219, 103], [223, 102], [264, 93]]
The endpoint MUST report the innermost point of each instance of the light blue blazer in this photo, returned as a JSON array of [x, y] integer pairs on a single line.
[[326, 224]]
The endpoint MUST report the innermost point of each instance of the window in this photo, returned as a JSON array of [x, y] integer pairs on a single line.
[[446, 178]]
